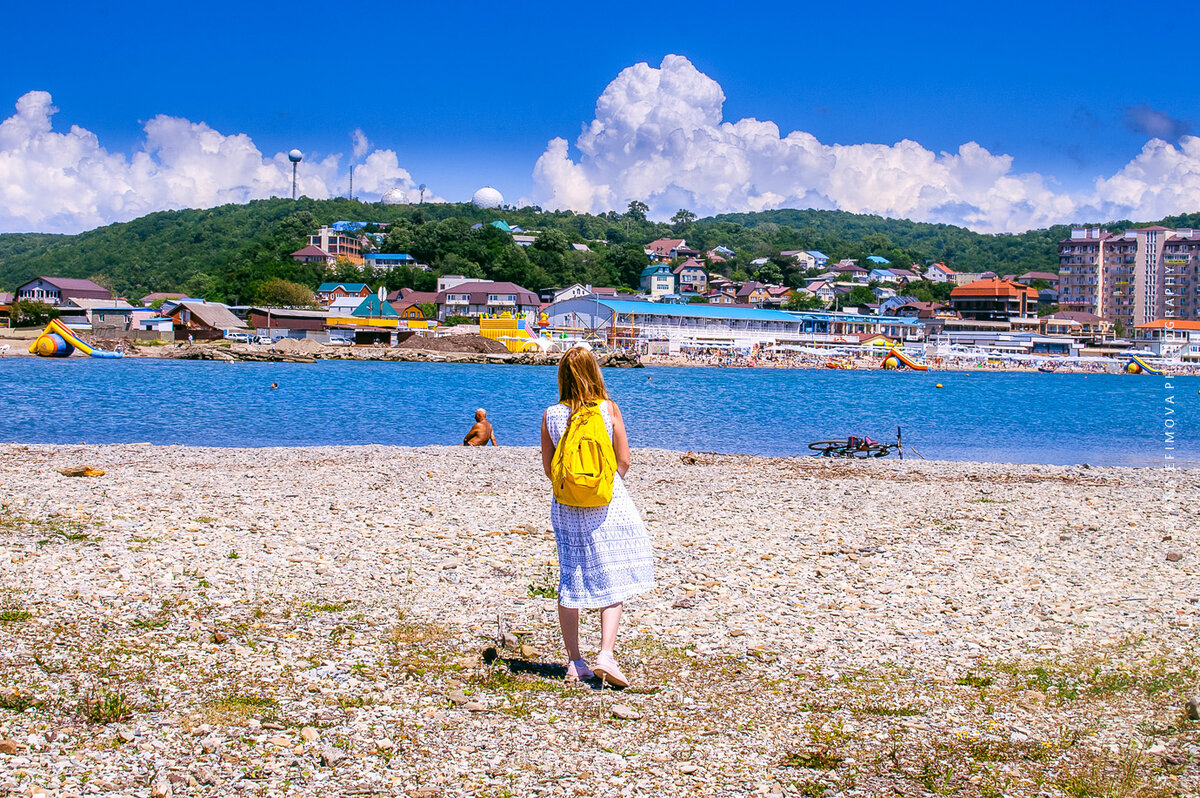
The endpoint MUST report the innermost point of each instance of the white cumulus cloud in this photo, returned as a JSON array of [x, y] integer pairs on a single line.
[[660, 136], [65, 182]]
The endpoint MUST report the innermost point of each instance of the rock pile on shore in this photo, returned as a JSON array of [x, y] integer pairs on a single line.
[[381, 621], [432, 350]]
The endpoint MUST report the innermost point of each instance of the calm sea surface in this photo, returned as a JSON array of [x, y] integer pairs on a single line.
[[1023, 418]]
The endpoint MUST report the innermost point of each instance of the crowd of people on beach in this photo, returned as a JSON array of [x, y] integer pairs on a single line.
[[792, 359]]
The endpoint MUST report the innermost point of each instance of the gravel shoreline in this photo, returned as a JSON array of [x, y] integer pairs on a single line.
[[312, 621]]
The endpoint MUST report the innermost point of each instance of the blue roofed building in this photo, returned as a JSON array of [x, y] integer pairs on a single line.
[[390, 260], [637, 324], [806, 258], [880, 261]]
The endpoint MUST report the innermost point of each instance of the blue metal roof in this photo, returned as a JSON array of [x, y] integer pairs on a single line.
[[817, 254], [688, 311], [877, 259], [852, 317], [388, 255]]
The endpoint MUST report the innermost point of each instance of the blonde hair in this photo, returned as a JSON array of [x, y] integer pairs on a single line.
[[579, 379]]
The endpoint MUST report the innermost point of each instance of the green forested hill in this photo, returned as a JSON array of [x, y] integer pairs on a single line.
[[225, 253]]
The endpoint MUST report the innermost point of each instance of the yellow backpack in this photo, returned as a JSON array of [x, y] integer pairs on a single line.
[[584, 466]]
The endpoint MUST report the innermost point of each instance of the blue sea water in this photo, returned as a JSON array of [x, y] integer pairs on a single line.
[[997, 417]]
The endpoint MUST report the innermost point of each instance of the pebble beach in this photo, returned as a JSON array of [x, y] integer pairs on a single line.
[[380, 621]]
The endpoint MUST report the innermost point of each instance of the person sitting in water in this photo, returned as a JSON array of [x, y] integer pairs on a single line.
[[481, 433]]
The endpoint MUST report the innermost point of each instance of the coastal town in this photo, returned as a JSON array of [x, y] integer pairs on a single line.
[[1116, 298]]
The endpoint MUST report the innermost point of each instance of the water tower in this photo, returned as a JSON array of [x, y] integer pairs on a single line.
[[295, 156]]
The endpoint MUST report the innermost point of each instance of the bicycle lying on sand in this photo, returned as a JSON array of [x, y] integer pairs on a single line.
[[861, 447]]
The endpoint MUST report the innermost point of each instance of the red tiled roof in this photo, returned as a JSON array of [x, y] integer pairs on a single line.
[[991, 288], [663, 246], [1161, 324]]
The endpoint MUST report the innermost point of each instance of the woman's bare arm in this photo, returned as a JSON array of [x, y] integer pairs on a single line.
[[620, 441], [547, 448]]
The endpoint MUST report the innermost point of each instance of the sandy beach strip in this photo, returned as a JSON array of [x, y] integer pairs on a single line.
[[312, 621]]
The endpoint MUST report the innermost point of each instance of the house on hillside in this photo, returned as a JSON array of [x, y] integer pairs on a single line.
[[658, 280], [690, 277], [204, 321], [779, 295], [939, 273], [392, 260], [478, 298], [313, 254], [56, 290], [806, 258], [753, 293], [328, 293], [665, 249], [879, 260], [1029, 277], [851, 271], [823, 290], [406, 301], [725, 295]]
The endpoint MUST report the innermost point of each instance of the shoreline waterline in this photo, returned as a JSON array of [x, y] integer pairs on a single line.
[[949, 416]]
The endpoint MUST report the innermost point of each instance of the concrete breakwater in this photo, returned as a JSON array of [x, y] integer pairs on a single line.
[[264, 354]]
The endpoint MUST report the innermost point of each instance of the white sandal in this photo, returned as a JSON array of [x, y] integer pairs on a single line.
[[578, 671], [606, 669]]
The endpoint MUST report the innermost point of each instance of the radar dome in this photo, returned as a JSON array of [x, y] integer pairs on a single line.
[[394, 196], [295, 156], [487, 197]]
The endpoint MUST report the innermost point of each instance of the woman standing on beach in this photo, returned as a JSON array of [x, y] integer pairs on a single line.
[[604, 553]]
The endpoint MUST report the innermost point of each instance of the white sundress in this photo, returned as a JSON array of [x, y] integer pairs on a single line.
[[604, 553]]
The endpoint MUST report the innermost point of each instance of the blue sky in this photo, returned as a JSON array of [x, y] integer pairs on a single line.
[[471, 93]]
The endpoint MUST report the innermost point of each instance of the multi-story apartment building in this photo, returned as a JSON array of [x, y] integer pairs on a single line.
[[338, 244], [1133, 278], [1080, 270]]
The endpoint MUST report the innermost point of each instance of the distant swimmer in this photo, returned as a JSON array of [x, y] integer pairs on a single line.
[[481, 433], [274, 385]]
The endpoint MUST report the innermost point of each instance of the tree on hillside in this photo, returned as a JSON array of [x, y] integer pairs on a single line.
[[802, 301], [682, 218], [859, 295], [277, 292], [637, 210]]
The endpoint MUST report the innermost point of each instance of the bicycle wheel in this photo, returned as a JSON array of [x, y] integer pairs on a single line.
[[875, 450], [827, 448]]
